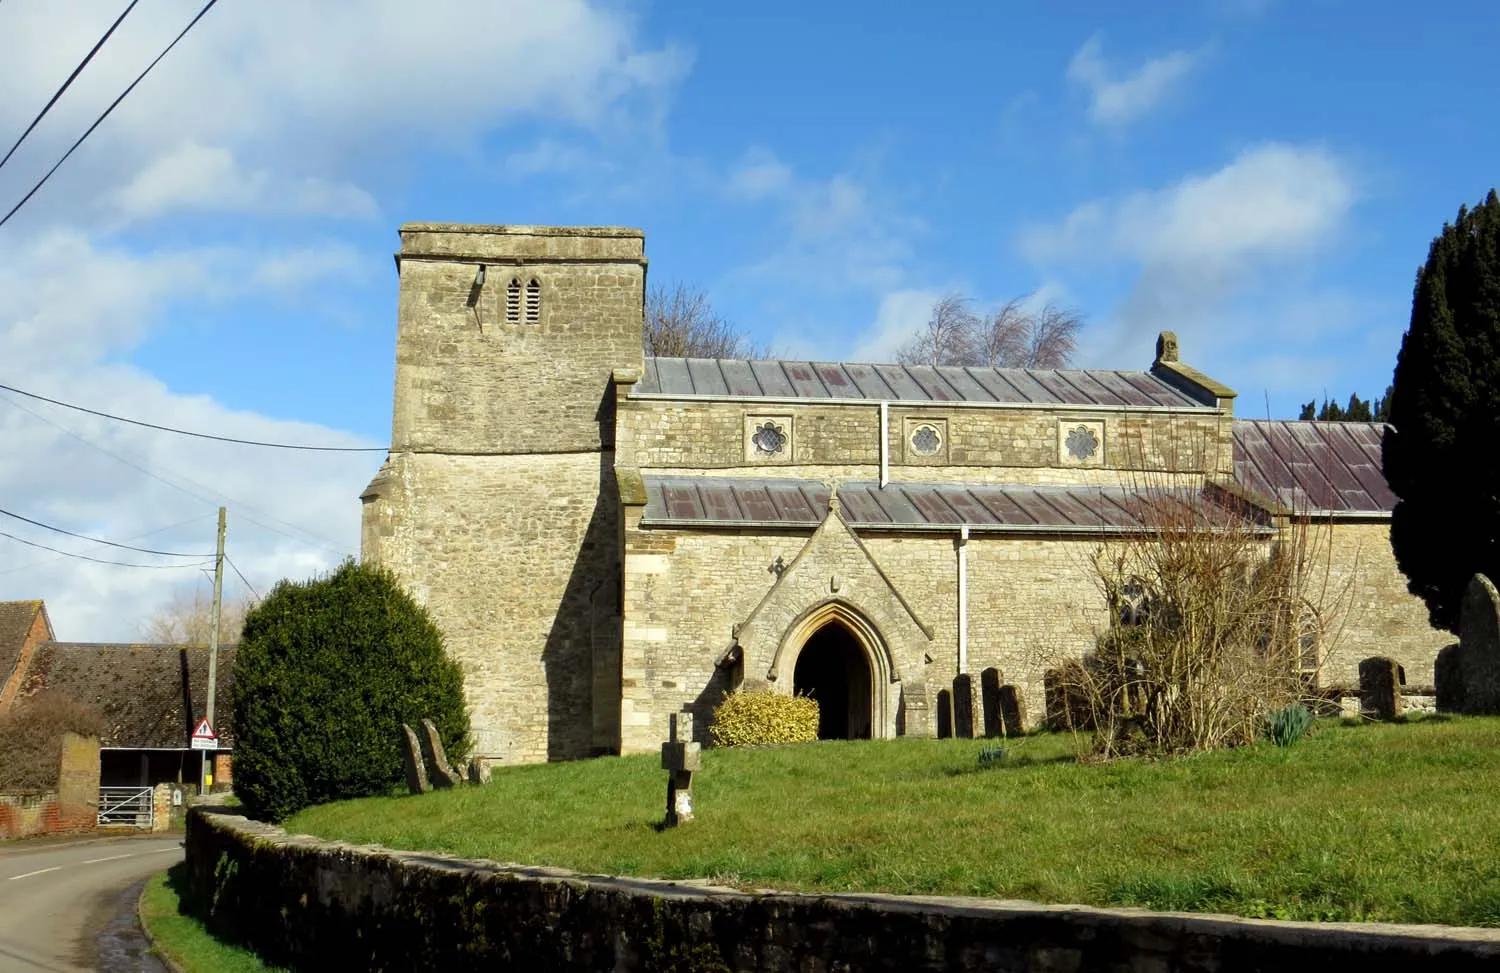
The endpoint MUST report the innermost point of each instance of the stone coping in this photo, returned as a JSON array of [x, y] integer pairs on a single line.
[[1163, 940]]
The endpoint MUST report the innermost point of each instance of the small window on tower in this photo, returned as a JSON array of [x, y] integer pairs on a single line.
[[513, 301], [534, 300]]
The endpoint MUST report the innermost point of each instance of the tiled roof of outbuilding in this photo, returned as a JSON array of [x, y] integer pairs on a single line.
[[688, 377], [1319, 468], [775, 502], [149, 695], [16, 620]]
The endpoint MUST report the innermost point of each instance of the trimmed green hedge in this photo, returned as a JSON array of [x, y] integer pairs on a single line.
[[327, 672]]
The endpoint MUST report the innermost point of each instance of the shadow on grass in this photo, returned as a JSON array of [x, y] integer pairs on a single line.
[[1009, 762]]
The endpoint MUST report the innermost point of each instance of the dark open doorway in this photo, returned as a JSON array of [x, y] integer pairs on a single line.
[[832, 669]]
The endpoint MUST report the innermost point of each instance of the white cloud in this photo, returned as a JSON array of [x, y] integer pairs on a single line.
[[760, 174], [1200, 244], [198, 177], [900, 315], [284, 95], [1117, 100]]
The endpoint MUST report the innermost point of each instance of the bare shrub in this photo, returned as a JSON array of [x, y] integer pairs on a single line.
[[1212, 614], [31, 735]]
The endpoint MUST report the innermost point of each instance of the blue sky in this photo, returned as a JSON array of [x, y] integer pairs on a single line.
[[1262, 177]]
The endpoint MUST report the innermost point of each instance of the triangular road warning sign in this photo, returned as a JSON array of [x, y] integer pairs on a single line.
[[204, 731]]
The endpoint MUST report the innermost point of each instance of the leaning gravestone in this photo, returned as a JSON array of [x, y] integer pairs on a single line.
[[411, 754], [1448, 677], [963, 706], [1479, 647], [989, 697], [1012, 711], [1380, 687], [437, 761]]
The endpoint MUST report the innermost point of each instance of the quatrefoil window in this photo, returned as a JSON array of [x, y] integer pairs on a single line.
[[1082, 443], [769, 439], [926, 440]]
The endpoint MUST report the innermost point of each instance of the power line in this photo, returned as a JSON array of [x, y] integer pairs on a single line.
[[112, 106], [85, 557], [315, 538], [98, 540], [68, 83], [197, 435], [242, 577], [160, 530]]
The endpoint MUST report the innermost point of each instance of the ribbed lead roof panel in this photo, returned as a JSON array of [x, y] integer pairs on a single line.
[[907, 383], [1313, 467], [730, 501]]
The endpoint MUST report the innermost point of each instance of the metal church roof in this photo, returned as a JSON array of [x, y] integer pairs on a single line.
[[773, 502], [737, 378], [1319, 468]]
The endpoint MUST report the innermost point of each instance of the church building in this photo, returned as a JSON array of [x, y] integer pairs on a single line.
[[607, 539]]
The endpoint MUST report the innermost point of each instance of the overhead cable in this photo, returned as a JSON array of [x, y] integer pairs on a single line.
[[100, 120], [220, 498], [246, 583], [99, 540], [68, 83], [85, 557], [197, 435]]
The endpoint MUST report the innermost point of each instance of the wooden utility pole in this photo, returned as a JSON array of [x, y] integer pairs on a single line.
[[213, 648]]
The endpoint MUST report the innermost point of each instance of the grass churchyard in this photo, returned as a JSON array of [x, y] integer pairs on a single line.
[[1387, 822]]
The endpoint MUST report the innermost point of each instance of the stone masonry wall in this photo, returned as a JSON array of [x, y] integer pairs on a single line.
[[1032, 602], [498, 507], [1370, 611], [517, 560], [659, 434], [314, 905]]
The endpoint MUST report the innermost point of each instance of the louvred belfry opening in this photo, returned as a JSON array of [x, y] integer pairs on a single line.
[[513, 301], [534, 300]]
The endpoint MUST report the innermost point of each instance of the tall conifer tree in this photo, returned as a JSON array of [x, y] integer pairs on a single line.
[[1440, 456]]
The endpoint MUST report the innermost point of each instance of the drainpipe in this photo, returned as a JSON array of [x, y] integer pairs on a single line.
[[885, 443], [963, 600]]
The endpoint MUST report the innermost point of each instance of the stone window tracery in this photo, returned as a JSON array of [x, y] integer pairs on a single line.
[[1080, 442], [926, 440], [769, 439]]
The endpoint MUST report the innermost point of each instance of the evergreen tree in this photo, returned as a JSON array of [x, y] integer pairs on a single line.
[[1444, 407]]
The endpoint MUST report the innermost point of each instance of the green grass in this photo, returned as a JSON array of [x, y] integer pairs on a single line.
[[182, 937], [1395, 822]]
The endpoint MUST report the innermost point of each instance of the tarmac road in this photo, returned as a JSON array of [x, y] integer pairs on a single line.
[[69, 905]]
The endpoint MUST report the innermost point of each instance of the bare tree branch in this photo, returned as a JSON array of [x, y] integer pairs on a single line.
[[681, 323], [1012, 336], [946, 339], [188, 620]]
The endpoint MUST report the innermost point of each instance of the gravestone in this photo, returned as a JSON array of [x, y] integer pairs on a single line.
[[945, 714], [1012, 711], [479, 770], [1479, 647], [442, 775], [963, 706], [1447, 674], [680, 757], [1380, 687], [411, 754], [989, 698]]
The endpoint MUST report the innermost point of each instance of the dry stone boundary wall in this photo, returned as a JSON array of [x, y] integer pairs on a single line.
[[311, 904]]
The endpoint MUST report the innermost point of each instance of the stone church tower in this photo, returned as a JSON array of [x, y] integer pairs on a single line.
[[498, 505]]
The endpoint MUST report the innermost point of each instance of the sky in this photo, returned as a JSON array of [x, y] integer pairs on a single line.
[[1261, 176]]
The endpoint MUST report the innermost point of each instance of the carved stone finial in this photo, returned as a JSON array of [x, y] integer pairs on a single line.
[[833, 498], [1166, 346]]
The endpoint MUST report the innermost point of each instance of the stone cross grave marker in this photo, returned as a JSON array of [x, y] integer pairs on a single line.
[[432, 750], [411, 753], [680, 758]]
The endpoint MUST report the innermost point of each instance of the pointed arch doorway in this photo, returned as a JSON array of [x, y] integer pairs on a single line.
[[835, 655], [832, 669]]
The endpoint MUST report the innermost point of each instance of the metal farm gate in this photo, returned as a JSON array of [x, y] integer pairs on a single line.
[[126, 805]]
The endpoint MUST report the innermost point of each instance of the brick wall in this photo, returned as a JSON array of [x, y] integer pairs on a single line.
[[73, 806]]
